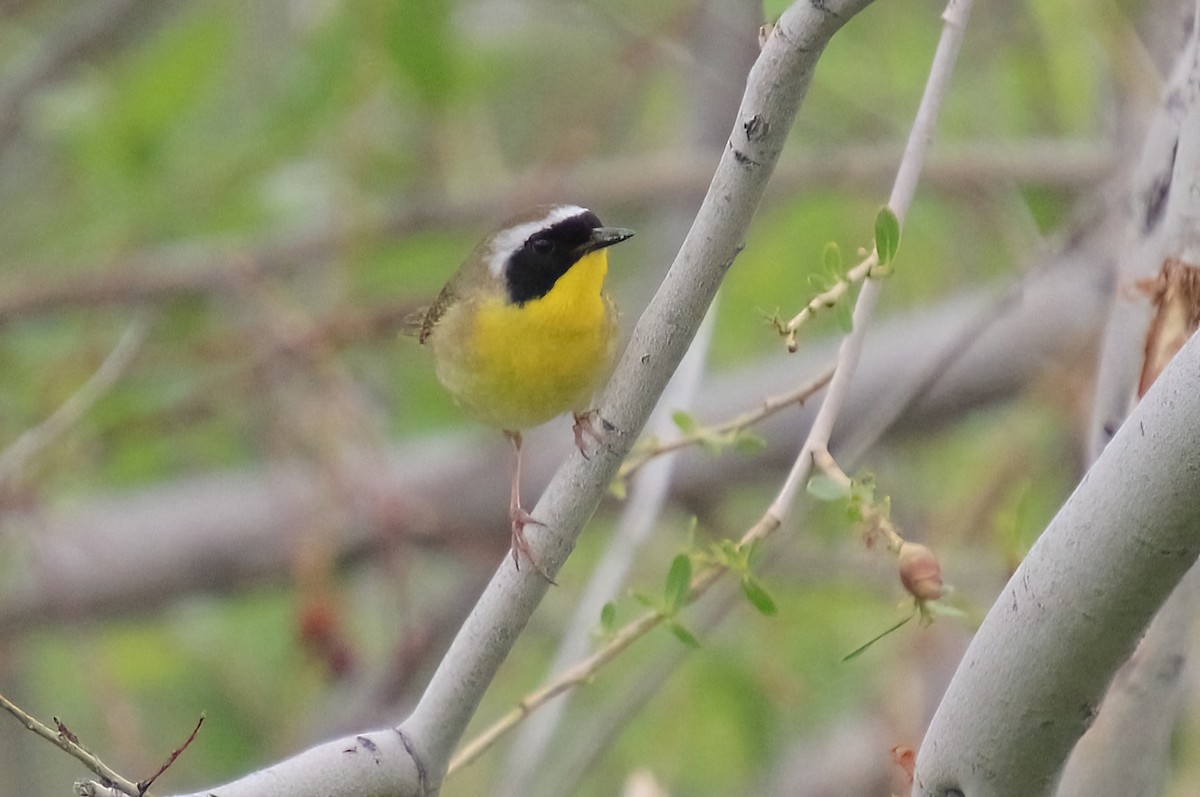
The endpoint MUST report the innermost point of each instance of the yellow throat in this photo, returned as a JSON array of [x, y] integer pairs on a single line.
[[518, 365]]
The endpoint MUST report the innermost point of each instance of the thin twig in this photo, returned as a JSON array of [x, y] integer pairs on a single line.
[[67, 741], [586, 669], [747, 419], [817, 444], [638, 521], [824, 300], [576, 675], [903, 190], [144, 785], [16, 457], [876, 519]]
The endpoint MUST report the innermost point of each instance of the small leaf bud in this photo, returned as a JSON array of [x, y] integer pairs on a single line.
[[920, 572]]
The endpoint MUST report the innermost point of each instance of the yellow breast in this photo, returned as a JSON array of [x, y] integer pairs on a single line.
[[518, 366]]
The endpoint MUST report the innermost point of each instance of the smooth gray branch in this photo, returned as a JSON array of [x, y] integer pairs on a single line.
[[775, 88], [1128, 749], [1161, 224], [1032, 679], [419, 750], [903, 189]]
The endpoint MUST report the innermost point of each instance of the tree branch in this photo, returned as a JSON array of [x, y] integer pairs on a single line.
[[418, 752], [17, 456], [227, 530], [64, 739], [775, 89], [903, 190], [1155, 230], [1031, 681], [216, 267], [1127, 750]]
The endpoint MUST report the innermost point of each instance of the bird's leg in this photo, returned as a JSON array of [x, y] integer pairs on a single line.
[[584, 426], [518, 516], [516, 513]]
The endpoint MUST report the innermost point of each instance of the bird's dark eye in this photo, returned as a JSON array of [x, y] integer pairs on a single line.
[[542, 246]]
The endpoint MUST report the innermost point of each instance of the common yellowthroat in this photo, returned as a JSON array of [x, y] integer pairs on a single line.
[[523, 331]]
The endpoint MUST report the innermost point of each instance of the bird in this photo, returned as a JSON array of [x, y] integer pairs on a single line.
[[524, 332]]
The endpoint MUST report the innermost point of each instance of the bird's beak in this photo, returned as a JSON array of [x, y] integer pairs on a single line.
[[602, 237]]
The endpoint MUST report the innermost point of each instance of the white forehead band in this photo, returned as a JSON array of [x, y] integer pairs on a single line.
[[508, 241]]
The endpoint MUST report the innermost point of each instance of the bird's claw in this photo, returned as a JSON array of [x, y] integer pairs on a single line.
[[584, 427], [520, 544]]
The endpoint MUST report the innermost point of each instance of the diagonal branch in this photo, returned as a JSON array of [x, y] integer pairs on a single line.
[[1031, 680], [17, 456], [775, 89], [151, 546], [66, 740], [412, 759], [903, 190], [1128, 749]]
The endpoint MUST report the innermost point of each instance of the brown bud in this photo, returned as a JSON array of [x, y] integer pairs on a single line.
[[920, 572]]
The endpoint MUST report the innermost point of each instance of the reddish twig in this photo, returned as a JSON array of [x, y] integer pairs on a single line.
[[144, 785]]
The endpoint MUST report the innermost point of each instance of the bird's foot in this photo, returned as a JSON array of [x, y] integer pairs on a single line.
[[520, 545], [585, 426]]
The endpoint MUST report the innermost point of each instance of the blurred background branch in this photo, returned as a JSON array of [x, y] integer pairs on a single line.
[[276, 515]]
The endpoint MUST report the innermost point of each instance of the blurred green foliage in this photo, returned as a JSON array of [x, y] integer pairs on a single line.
[[207, 130]]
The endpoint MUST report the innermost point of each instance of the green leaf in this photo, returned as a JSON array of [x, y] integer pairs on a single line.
[[758, 595], [887, 235], [820, 282], [682, 634], [685, 422], [824, 488], [860, 650], [832, 259], [752, 551], [679, 583], [608, 616], [749, 443], [646, 600]]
